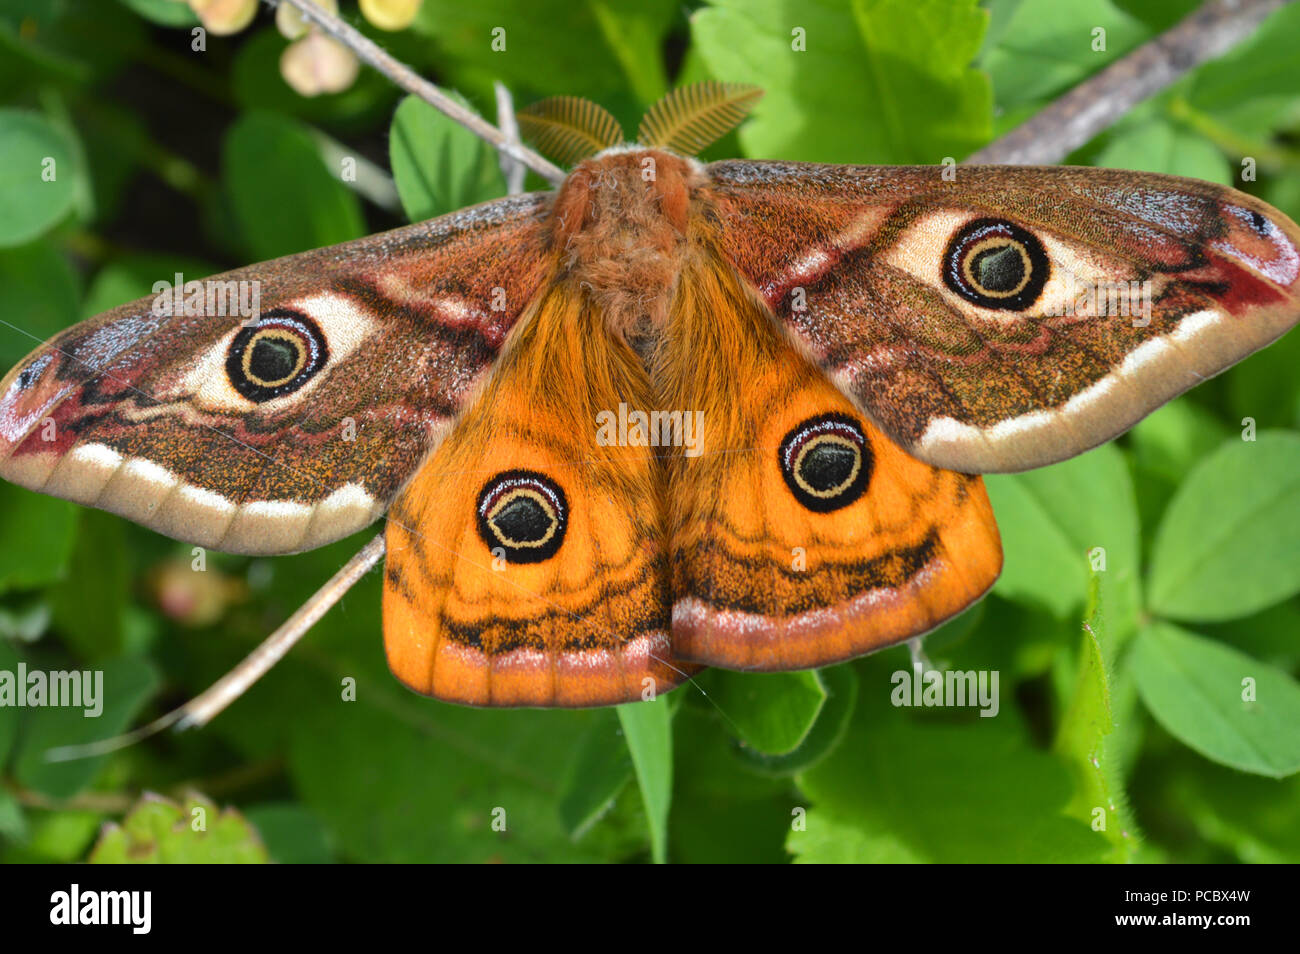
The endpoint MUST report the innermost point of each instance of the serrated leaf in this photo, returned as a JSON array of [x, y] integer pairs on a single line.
[[865, 81], [1231, 708], [1229, 543], [1085, 737], [569, 128], [692, 117], [159, 831]]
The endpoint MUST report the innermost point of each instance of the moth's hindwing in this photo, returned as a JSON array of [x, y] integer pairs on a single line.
[[526, 560], [799, 534]]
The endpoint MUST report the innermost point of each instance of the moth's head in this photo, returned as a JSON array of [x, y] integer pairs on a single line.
[[627, 184]]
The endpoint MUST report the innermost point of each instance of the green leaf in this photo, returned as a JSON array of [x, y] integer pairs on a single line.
[[607, 51], [1170, 441], [1158, 15], [133, 276], [1265, 387], [648, 729], [38, 299], [127, 683], [13, 821], [1152, 143], [158, 831], [439, 166], [283, 198], [1166, 445], [1269, 635], [839, 687], [393, 776], [1255, 820], [168, 13], [1056, 521], [36, 537], [770, 712], [89, 603], [901, 788], [1197, 689], [1047, 47], [1253, 87], [722, 810], [879, 80], [39, 177], [292, 834], [635, 33], [601, 769], [416, 781], [8, 714], [1229, 544], [1085, 737]]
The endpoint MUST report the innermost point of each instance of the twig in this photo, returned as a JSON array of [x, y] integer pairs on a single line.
[[205, 707], [406, 78], [1095, 104], [511, 168]]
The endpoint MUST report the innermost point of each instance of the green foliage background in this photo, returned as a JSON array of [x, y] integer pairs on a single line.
[[1121, 689]]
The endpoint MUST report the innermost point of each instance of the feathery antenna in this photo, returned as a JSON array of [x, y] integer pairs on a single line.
[[690, 118], [569, 128]]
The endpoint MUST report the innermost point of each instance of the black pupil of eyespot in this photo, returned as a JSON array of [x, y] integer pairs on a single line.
[[274, 359], [828, 465], [999, 269], [523, 520]]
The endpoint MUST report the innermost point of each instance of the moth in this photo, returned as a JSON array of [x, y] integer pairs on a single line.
[[853, 345]]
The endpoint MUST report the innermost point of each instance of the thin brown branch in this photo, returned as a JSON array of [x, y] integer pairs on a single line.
[[1098, 102], [406, 78], [205, 707]]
